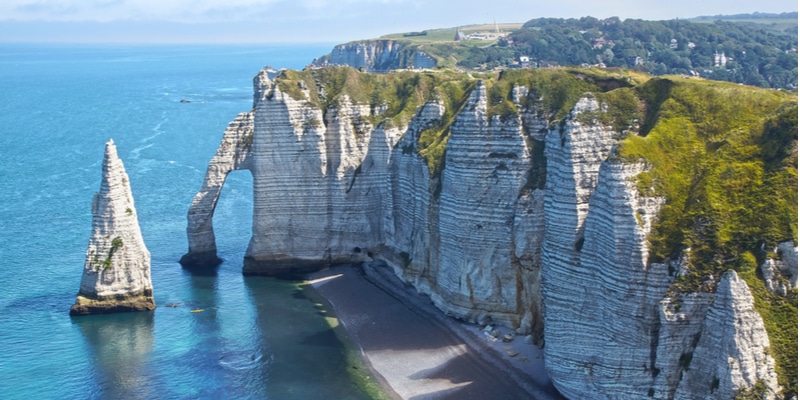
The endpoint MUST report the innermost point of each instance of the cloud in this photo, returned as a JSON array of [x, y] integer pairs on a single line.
[[204, 21], [181, 11]]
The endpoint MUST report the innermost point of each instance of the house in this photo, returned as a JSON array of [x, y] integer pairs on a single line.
[[673, 44], [598, 43], [719, 59]]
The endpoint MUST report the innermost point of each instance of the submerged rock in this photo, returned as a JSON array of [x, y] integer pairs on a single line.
[[116, 275]]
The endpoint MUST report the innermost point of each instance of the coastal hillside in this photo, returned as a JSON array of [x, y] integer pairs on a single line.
[[734, 50], [643, 229]]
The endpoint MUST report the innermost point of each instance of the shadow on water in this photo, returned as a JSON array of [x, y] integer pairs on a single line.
[[308, 360], [119, 346], [202, 270]]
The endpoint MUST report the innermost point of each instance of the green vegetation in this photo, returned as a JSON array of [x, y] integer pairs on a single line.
[[759, 391], [759, 49], [729, 187], [784, 22], [755, 56], [358, 371], [116, 244]]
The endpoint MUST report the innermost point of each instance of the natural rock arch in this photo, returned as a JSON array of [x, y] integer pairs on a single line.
[[234, 153]]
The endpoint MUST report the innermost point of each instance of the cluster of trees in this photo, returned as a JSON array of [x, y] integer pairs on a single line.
[[754, 56]]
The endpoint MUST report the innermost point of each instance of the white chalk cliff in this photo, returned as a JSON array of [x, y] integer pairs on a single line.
[[116, 274], [535, 226], [377, 55]]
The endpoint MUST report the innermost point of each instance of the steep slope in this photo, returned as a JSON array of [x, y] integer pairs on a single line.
[[116, 275], [596, 210]]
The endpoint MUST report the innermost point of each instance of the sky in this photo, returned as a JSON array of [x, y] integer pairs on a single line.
[[313, 21]]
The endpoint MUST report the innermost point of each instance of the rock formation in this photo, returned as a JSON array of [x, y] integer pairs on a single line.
[[234, 153], [116, 275], [733, 350], [504, 206], [780, 274]]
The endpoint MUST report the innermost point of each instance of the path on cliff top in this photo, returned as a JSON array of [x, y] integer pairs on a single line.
[[421, 353]]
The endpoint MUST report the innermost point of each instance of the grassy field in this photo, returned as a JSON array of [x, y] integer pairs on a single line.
[[447, 34]]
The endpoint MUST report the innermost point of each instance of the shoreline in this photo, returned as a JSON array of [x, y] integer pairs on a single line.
[[415, 351]]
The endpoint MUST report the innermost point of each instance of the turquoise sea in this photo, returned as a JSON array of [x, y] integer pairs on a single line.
[[257, 338]]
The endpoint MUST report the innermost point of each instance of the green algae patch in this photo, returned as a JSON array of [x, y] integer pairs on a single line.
[[357, 368]]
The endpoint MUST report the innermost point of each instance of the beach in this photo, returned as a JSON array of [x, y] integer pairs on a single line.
[[417, 352]]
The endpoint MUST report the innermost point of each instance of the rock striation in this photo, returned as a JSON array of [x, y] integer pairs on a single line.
[[116, 275], [521, 219]]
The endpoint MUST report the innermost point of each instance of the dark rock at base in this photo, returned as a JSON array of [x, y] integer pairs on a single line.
[[88, 306], [200, 261]]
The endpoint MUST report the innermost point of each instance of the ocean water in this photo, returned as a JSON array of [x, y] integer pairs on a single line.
[[257, 338]]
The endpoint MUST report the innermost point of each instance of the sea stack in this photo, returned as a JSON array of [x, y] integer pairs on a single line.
[[116, 275]]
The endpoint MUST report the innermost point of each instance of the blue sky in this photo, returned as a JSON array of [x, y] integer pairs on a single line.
[[318, 21]]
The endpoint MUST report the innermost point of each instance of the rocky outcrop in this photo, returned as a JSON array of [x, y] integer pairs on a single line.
[[780, 275], [234, 153], [116, 275], [377, 56], [534, 225], [733, 351]]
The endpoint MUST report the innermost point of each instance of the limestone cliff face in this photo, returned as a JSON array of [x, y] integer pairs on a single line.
[[533, 225], [376, 55], [116, 275]]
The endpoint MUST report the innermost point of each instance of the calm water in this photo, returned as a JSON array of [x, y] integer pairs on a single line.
[[258, 338]]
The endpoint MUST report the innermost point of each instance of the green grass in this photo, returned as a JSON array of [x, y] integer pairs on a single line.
[[447, 34]]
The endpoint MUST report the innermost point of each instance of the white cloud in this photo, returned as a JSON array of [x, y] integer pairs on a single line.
[[185, 11], [314, 20]]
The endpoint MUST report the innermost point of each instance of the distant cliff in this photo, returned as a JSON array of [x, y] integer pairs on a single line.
[[618, 218], [378, 55], [116, 275]]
